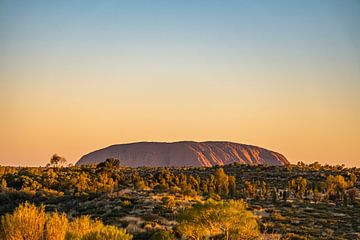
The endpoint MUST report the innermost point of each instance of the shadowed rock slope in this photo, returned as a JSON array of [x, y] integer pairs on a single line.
[[180, 154]]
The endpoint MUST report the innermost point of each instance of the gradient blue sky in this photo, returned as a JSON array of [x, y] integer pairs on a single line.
[[79, 75]]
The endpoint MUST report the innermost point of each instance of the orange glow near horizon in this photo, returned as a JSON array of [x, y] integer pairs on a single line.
[[72, 124]]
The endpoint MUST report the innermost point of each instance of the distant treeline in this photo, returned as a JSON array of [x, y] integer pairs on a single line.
[[232, 181]]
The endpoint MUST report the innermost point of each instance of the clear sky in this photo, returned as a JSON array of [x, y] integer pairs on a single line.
[[80, 75]]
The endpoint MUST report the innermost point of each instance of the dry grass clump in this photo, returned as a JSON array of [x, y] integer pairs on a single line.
[[56, 226], [26, 223], [81, 226], [29, 222]]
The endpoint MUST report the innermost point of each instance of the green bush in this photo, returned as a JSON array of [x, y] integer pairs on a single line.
[[229, 219]]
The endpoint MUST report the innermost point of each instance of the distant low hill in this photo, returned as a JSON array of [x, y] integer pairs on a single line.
[[181, 154]]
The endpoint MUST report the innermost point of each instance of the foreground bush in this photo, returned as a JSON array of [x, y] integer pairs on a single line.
[[81, 226], [26, 223], [56, 226], [225, 220], [29, 222]]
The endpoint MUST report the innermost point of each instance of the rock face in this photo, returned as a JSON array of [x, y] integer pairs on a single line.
[[184, 154]]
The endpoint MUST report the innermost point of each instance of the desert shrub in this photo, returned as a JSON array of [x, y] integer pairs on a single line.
[[56, 226], [108, 232], [48, 193], [168, 201], [293, 236], [160, 188], [4, 198], [13, 197], [109, 164], [26, 223], [126, 203], [84, 228], [189, 192], [3, 184], [29, 222], [229, 220], [162, 235], [214, 196], [81, 226], [175, 189], [276, 216]]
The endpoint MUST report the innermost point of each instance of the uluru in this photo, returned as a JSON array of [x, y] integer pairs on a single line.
[[184, 154]]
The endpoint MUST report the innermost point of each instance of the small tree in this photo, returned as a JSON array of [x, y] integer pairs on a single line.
[[274, 195], [204, 186], [109, 164], [352, 195], [353, 178], [285, 196], [232, 186], [303, 185], [250, 189], [211, 185], [316, 195], [3, 184], [57, 161], [341, 185], [222, 182]]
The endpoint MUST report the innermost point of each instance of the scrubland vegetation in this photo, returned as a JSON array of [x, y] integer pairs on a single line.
[[108, 201], [29, 222]]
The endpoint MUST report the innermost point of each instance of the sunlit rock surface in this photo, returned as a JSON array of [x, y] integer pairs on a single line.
[[181, 154]]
